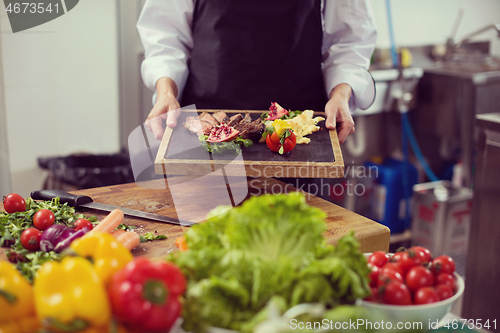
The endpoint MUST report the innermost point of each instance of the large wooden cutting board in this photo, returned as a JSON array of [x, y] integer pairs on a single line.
[[180, 153]]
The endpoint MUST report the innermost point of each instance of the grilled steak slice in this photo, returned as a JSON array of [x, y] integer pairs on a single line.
[[208, 118], [247, 118], [235, 119], [197, 126], [221, 117], [250, 130]]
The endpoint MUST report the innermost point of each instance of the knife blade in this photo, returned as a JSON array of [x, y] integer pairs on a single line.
[[85, 201]]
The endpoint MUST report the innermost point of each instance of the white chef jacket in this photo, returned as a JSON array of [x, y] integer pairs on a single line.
[[349, 36]]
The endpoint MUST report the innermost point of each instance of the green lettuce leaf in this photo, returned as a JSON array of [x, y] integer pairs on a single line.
[[270, 247]]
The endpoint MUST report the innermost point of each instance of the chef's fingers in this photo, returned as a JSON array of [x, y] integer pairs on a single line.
[[163, 105], [344, 129], [155, 125], [339, 116], [331, 110], [331, 121], [172, 117]]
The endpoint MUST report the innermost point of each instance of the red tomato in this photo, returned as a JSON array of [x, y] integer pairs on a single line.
[[30, 239], [271, 144], [443, 264], [418, 277], [288, 145], [275, 139], [426, 295], [43, 219], [373, 277], [395, 293], [423, 252], [393, 266], [444, 291], [374, 296], [14, 203], [378, 258], [404, 261], [387, 276], [83, 223], [445, 279], [293, 138]]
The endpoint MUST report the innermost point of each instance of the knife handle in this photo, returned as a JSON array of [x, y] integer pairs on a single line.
[[72, 199]]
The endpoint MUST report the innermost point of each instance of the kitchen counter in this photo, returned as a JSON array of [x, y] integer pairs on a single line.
[[155, 197]]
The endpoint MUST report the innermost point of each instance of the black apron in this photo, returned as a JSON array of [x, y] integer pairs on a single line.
[[249, 53]]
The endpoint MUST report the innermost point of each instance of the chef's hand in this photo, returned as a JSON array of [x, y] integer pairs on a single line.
[[166, 108], [337, 111]]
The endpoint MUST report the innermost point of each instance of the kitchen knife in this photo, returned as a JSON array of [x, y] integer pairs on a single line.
[[86, 201]]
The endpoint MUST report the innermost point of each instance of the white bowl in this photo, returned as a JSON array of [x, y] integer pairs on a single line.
[[425, 313]]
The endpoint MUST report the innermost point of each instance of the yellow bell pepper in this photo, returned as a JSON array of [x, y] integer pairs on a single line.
[[107, 254], [69, 296], [16, 302]]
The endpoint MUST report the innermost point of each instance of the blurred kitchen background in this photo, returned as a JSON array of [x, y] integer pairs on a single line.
[[73, 86]]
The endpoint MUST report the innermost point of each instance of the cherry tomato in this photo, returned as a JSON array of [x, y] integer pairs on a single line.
[[423, 252], [271, 144], [83, 223], [373, 296], [445, 279], [426, 295], [288, 145], [293, 138], [30, 239], [387, 276], [404, 261], [444, 291], [373, 276], [378, 258], [14, 203], [275, 139], [395, 293], [393, 266], [43, 219], [418, 277], [443, 264]]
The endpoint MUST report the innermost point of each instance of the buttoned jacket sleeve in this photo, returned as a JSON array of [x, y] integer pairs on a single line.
[[349, 36], [164, 27]]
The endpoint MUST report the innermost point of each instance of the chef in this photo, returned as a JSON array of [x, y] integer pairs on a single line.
[[245, 54]]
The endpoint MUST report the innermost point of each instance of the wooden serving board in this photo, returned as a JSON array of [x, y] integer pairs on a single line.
[[180, 153]]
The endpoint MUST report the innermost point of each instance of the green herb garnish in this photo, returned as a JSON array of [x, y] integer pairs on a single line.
[[149, 236], [220, 147]]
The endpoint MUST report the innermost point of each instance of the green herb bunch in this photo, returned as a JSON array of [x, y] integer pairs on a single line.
[[220, 147], [13, 225]]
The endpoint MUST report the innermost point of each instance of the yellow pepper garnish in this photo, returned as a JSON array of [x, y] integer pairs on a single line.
[[69, 296], [107, 254], [280, 126], [17, 312]]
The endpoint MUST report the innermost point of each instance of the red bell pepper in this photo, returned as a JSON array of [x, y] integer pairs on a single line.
[[146, 295]]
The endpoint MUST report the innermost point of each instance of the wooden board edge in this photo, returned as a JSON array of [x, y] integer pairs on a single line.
[[316, 113], [162, 151], [337, 152], [283, 170]]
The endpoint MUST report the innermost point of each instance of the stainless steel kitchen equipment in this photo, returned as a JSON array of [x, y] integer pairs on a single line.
[[483, 266]]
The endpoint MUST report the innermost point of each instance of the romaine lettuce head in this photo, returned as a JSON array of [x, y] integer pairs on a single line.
[[270, 246], [275, 226]]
